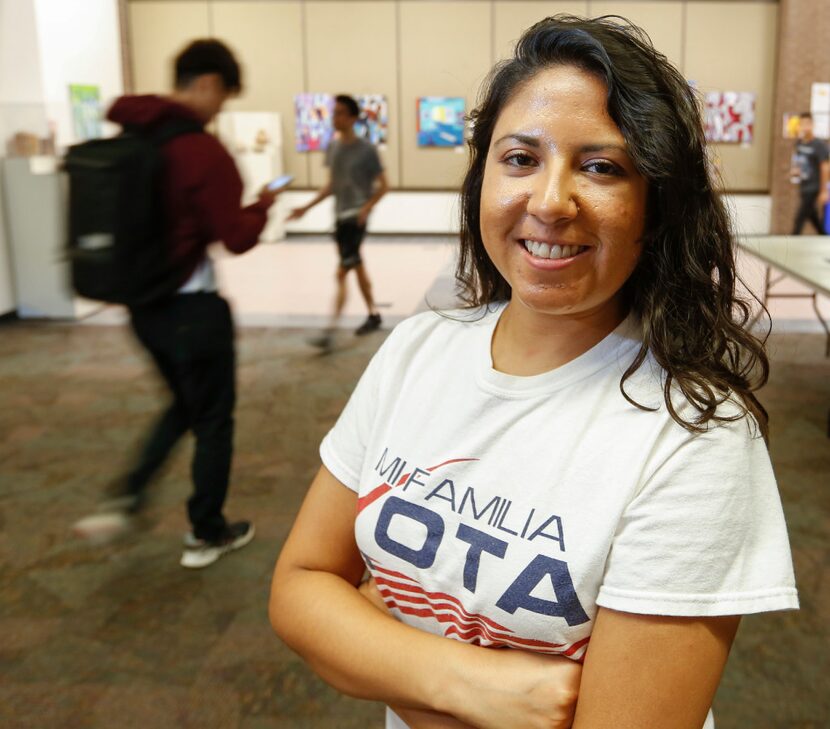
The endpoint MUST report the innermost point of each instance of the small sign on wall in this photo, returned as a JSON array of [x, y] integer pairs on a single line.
[[820, 109]]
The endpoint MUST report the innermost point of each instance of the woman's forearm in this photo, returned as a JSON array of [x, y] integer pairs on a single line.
[[357, 648]]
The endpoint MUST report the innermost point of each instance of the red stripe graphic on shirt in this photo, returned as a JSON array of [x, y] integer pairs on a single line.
[[379, 491], [410, 598]]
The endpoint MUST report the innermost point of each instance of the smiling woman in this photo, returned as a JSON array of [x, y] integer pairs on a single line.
[[572, 469]]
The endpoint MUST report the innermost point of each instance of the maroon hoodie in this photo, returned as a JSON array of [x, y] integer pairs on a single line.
[[202, 188]]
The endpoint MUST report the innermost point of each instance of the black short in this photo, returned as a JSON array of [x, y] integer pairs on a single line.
[[349, 235]]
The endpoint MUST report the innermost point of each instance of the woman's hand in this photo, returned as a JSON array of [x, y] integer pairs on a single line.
[[514, 689]]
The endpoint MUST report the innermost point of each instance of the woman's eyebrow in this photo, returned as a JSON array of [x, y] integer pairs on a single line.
[[531, 140], [526, 139]]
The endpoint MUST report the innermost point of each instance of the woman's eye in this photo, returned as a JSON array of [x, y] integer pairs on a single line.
[[603, 167], [519, 159]]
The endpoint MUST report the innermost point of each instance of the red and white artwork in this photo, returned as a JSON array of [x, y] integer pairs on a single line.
[[730, 116]]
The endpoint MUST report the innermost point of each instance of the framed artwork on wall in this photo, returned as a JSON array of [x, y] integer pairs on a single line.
[[373, 123], [730, 116], [312, 121], [85, 101], [440, 121]]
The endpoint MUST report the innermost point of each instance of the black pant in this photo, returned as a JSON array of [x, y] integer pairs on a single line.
[[349, 235], [190, 338], [808, 210]]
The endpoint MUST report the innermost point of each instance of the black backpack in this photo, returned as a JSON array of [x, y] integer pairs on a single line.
[[118, 245]]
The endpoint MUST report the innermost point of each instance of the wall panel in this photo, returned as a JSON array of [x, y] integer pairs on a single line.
[[511, 19], [158, 31], [663, 21], [267, 38], [445, 51], [731, 46], [352, 48]]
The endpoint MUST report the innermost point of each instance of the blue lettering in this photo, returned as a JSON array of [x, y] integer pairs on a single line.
[[413, 478], [558, 537], [423, 557], [479, 542], [394, 468], [436, 492], [518, 594], [469, 494]]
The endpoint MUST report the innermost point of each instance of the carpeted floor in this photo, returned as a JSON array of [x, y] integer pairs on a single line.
[[122, 637]]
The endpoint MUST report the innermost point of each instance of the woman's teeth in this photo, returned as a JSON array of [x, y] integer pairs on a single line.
[[543, 250]]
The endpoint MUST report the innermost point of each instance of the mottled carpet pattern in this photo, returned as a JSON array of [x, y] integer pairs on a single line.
[[121, 636]]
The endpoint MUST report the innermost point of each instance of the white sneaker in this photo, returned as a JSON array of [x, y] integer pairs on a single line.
[[113, 519], [200, 553]]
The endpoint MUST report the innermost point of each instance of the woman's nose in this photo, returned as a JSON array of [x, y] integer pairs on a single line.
[[552, 196]]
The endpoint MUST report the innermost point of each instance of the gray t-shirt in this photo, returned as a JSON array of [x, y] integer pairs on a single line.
[[354, 168], [808, 157]]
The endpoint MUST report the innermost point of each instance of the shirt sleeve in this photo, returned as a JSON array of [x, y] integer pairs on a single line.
[[705, 535], [217, 198], [343, 449], [823, 153]]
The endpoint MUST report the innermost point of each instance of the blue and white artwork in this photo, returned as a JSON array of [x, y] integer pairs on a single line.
[[440, 121]]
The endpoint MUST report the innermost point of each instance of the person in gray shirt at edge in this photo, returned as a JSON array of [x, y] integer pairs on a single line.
[[357, 181]]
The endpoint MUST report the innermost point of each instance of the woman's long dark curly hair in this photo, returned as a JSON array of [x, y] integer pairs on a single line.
[[683, 288]]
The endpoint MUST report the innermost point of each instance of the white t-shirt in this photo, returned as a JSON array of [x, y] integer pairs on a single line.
[[502, 510]]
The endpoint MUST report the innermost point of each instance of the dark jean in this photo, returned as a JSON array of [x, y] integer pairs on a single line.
[[190, 338], [808, 210]]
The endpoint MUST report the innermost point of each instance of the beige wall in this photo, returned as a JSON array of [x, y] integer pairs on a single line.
[[735, 50], [268, 38], [157, 31], [352, 49], [411, 48]]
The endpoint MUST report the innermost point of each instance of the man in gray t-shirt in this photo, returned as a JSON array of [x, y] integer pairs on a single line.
[[357, 181], [812, 170]]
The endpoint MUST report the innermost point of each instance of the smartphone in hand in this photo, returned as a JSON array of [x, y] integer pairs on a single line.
[[280, 183]]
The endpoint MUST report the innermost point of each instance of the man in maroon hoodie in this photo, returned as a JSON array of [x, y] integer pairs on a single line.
[[190, 334]]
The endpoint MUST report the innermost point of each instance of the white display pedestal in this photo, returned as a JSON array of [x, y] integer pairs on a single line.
[[258, 169], [254, 138], [35, 197]]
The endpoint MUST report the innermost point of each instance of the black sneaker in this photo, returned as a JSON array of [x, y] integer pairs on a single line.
[[200, 553], [371, 324], [325, 342]]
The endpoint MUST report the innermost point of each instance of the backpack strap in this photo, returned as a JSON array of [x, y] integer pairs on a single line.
[[175, 128]]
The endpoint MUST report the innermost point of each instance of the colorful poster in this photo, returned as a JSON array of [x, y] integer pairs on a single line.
[[792, 122], [373, 123], [730, 116], [440, 121], [313, 126], [85, 101]]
